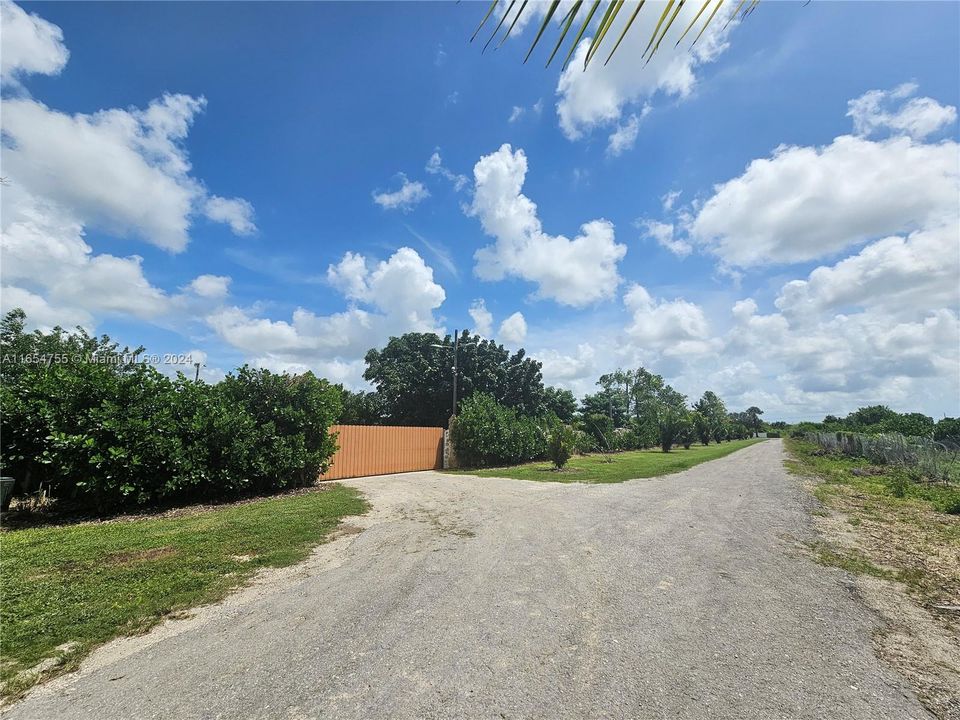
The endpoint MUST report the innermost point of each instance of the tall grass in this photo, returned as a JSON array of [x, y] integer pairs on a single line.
[[929, 459]]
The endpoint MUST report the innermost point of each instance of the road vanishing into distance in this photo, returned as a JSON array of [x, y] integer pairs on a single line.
[[687, 596]]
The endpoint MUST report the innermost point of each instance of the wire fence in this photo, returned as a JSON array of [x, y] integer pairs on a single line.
[[932, 460]]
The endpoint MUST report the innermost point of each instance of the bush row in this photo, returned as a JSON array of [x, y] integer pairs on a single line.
[[486, 433], [109, 431]]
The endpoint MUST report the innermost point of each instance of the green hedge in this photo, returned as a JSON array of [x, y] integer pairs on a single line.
[[81, 419], [486, 433]]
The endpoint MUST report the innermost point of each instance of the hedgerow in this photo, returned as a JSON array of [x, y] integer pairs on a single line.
[[486, 433], [84, 420]]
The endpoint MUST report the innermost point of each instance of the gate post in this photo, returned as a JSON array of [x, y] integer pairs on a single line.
[[449, 452]]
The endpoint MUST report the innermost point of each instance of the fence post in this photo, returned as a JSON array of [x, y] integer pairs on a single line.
[[449, 453]]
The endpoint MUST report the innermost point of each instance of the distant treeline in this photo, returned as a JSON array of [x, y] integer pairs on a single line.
[[881, 419]]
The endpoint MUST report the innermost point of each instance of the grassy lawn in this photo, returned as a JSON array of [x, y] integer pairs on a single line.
[[880, 523], [618, 467], [87, 583]]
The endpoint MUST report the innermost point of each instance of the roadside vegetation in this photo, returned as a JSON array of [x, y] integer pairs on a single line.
[[85, 422], [67, 589], [910, 527], [898, 532], [617, 467]]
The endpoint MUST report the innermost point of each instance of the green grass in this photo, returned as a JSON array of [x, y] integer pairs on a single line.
[[889, 483], [900, 528], [617, 467], [88, 583]]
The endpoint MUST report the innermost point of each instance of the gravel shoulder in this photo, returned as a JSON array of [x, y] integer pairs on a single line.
[[687, 596]]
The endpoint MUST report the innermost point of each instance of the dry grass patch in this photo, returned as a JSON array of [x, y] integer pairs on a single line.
[[906, 556]]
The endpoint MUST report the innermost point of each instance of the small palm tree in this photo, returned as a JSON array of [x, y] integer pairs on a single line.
[[667, 18]]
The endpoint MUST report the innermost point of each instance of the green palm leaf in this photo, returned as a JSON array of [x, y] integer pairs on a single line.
[[620, 39], [665, 29], [696, 17], [667, 19], [515, 18], [612, 9], [543, 26], [570, 17], [703, 29], [493, 6], [653, 37], [499, 25], [576, 40]]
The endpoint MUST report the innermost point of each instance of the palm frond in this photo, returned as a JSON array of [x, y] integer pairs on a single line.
[[703, 29], [571, 14], [653, 37], [543, 26], [623, 34], [612, 9], [733, 14], [692, 22], [665, 23], [493, 6], [499, 25], [515, 18], [665, 29], [583, 27]]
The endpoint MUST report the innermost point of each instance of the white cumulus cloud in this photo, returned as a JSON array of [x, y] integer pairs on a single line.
[[235, 212], [576, 272], [602, 94], [210, 286], [30, 45], [482, 318], [410, 194], [513, 330], [804, 203], [917, 117]]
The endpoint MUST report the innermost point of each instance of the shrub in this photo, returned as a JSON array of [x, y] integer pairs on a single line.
[[625, 439], [292, 414], [672, 423], [701, 427], [601, 430], [773, 434], [486, 433], [561, 445], [947, 431], [99, 426]]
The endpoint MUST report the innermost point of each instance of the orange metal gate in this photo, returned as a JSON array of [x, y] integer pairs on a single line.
[[379, 450]]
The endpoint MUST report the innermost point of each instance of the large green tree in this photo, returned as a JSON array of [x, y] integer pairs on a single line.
[[413, 376], [560, 402], [754, 413], [714, 413]]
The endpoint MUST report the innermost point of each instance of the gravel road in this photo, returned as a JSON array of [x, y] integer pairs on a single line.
[[687, 596]]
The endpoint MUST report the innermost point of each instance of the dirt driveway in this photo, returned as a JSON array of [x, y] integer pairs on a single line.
[[688, 596]]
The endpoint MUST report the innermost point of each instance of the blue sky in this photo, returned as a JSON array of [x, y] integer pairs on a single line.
[[803, 284]]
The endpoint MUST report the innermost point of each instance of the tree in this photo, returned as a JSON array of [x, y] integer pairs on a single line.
[[753, 414], [559, 402], [600, 427], [413, 375], [673, 423], [911, 425], [701, 426], [863, 418], [607, 402], [947, 431], [361, 408], [561, 445], [715, 414], [413, 378]]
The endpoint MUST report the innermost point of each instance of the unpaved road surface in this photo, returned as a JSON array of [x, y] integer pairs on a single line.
[[687, 596]]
